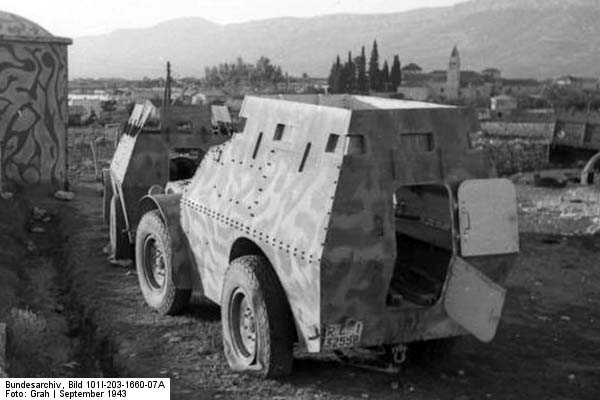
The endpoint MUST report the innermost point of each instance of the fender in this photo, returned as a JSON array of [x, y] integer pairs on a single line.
[[586, 173], [185, 271], [107, 195]]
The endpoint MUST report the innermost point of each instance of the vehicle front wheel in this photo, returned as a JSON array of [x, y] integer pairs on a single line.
[[258, 329], [153, 263]]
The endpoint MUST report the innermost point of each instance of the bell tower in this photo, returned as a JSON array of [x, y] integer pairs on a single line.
[[453, 76]]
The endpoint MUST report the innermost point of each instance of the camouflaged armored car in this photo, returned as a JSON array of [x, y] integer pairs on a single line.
[[158, 145], [334, 222]]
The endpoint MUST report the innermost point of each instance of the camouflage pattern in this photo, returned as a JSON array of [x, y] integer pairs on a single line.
[[33, 106], [255, 192], [311, 184]]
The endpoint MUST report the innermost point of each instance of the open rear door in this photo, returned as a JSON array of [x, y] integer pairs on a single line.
[[488, 227], [473, 300], [488, 217]]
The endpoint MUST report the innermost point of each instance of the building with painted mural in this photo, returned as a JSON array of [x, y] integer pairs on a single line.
[[33, 103]]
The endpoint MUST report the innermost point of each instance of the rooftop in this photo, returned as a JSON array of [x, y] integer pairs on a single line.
[[520, 82], [357, 102], [15, 27]]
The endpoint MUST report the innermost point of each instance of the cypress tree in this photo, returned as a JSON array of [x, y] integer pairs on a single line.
[[335, 77], [385, 77], [396, 73], [349, 75], [361, 69], [374, 73]]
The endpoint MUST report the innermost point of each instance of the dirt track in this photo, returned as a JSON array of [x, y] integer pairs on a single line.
[[548, 344]]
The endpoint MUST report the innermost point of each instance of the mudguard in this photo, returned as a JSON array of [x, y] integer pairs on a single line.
[[587, 174], [107, 195], [184, 267]]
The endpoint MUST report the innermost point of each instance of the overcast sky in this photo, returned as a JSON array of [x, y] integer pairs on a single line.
[[74, 18]]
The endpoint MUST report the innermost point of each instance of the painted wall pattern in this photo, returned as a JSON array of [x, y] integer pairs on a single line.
[[33, 112]]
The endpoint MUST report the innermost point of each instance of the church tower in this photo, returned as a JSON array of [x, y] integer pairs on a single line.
[[453, 77]]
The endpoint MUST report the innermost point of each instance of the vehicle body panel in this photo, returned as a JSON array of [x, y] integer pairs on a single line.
[[241, 192]]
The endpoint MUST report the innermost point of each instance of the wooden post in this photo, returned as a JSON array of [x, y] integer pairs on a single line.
[[94, 158], [117, 136]]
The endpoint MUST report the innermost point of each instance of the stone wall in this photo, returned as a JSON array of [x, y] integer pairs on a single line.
[[512, 155], [529, 130]]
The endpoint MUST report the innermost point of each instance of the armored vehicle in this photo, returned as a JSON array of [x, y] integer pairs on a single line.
[[576, 139], [334, 222], [158, 145]]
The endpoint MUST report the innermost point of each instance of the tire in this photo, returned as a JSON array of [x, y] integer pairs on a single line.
[[119, 240], [252, 287], [430, 351], [596, 178], [153, 262]]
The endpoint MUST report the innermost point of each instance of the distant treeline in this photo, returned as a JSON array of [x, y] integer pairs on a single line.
[[353, 76], [240, 74]]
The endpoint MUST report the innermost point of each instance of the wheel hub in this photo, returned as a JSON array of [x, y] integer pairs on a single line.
[[243, 325], [155, 263], [248, 331]]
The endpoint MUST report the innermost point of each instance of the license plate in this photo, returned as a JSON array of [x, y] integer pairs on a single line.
[[338, 336]]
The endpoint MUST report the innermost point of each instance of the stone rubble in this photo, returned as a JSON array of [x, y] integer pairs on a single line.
[[64, 195]]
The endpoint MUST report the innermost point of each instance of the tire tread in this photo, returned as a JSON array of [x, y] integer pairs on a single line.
[[275, 318], [174, 300]]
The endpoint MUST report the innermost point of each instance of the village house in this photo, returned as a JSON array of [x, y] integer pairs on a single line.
[[520, 87], [579, 83], [209, 96], [502, 106]]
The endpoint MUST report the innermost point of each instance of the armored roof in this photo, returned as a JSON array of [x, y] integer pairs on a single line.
[[357, 102], [15, 27]]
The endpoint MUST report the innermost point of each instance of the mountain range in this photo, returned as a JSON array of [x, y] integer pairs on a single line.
[[523, 38]]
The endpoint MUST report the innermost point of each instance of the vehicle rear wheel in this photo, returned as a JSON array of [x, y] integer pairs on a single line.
[[154, 266], [119, 240], [258, 329]]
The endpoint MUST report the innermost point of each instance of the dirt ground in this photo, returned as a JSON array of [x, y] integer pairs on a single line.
[[547, 346]]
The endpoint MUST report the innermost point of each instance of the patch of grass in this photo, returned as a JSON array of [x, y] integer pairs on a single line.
[[27, 343], [12, 252]]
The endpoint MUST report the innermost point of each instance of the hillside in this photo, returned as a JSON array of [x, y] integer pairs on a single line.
[[524, 38]]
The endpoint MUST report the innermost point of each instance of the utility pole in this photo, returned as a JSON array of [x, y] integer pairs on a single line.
[[167, 96]]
